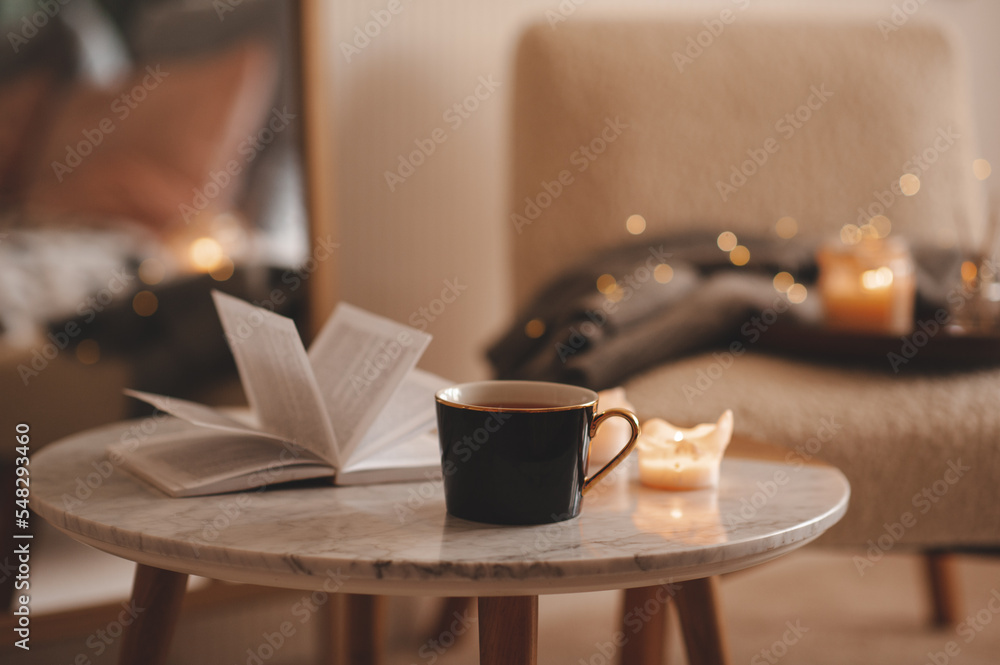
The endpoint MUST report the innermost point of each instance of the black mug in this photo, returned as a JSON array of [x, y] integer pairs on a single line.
[[516, 452]]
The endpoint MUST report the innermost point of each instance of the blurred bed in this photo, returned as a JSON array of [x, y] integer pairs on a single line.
[[150, 151]]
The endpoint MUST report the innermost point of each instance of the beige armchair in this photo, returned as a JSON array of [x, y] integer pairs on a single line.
[[730, 126]]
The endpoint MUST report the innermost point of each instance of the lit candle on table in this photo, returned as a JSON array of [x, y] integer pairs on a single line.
[[868, 286], [676, 458]]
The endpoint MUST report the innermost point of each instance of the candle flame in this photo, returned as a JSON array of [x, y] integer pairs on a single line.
[[876, 279], [703, 439]]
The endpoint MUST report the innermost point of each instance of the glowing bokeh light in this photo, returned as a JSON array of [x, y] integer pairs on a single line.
[[909, 183], [727, 241], [635, 224], [534, 328], [783, 281], [786, 227], [145, 303], [88, 351], [205, 254], [740, 255]]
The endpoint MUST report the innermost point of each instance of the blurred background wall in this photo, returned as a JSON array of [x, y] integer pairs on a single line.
[[444, 227]]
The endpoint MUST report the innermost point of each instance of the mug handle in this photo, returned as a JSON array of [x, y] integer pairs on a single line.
[[622, 454]]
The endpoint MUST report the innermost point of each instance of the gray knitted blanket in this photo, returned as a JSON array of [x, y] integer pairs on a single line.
[[574, 333]]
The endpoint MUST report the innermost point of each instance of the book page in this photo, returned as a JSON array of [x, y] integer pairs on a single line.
[[417, 458], [198, 414], [359, 360], [277, 376], [197, 461], [410, 410]]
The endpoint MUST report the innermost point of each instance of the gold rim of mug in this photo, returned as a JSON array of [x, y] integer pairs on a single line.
[[516, 409]]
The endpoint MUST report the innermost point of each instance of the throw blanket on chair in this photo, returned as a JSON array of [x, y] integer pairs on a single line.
[[572, 332]]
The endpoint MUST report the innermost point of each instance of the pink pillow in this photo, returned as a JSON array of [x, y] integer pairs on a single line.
[[148, 148], [22, 100]]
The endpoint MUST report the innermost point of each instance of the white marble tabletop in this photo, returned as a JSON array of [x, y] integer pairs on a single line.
[[396, 539]]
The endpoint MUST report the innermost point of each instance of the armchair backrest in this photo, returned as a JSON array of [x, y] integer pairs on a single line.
[[731, 126]]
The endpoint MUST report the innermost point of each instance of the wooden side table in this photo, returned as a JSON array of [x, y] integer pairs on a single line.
[[396, 539]]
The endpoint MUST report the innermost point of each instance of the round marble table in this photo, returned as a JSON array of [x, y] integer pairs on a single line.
[[396, 539]]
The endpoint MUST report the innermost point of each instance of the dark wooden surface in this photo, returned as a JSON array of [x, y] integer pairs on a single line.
[[156, 597], [701, 622], [508, 630], [945, 349], [647, 645], [365, 629]]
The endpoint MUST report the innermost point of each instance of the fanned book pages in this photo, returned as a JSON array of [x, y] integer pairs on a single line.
[[354, 409]]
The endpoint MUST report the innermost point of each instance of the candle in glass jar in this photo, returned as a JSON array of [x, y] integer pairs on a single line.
[[676, 458], [868, 287]]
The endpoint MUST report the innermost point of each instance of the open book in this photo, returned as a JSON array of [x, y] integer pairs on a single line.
[[353, 408]]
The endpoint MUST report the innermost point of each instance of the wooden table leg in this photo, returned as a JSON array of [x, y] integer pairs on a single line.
[[701, 623], [943, 588], [508, 630], [156, 606], [644, 625], [330, 636], [365, 629]]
